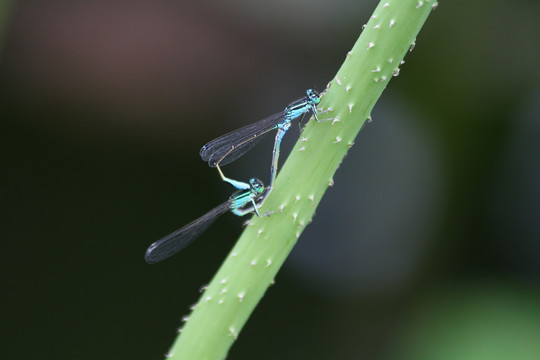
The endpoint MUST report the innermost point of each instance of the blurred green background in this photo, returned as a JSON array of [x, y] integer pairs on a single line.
[[427, 246]]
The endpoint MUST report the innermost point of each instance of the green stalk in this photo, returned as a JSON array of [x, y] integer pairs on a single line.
[[250, 268]]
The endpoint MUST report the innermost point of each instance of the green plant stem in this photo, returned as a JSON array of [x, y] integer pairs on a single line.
[[250, 268]]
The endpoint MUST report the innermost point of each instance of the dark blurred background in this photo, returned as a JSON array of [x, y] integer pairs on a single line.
[[427, 247]]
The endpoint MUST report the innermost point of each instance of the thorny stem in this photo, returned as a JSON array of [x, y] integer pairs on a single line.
[[250, 268]]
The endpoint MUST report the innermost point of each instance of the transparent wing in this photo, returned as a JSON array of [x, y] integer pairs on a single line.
[[231, 146], [173, 243]]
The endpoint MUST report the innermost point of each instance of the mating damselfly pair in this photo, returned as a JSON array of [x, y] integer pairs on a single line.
[[249, 196]]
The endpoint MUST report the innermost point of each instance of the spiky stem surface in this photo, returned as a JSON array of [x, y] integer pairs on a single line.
[[250, 268]]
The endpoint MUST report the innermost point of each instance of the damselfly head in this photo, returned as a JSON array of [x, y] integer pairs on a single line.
[[313, 96], [257, 185]]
